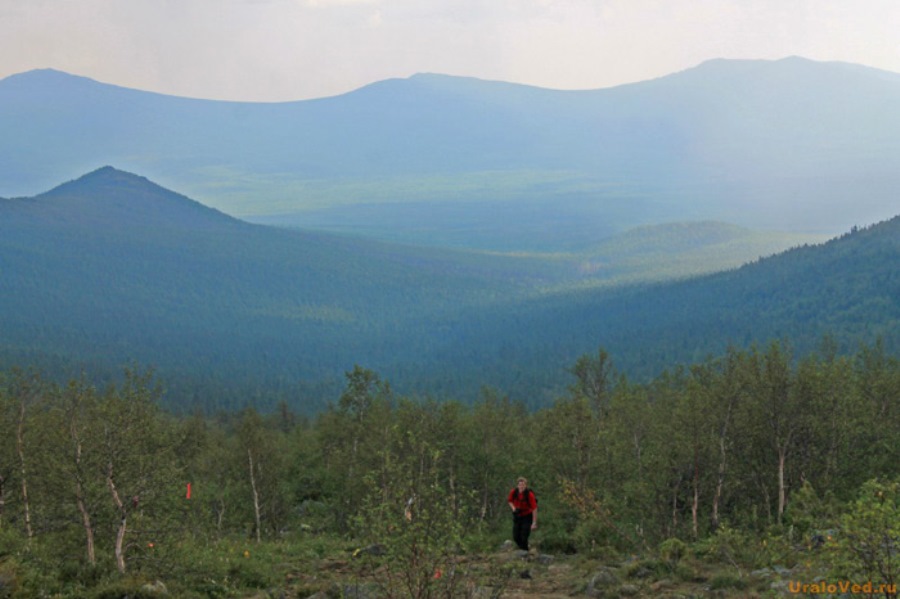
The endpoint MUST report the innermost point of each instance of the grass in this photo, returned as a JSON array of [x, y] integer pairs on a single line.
[[306, 564]]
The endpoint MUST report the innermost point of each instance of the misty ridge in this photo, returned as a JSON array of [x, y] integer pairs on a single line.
[[450, 233], [792, 145]]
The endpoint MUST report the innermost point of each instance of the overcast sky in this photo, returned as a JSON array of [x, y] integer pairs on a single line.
[[278, 50]]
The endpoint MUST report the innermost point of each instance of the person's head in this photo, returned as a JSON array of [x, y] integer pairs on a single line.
[[522, 483]]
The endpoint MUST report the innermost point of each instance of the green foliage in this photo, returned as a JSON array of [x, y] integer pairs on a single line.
[[729, 546], [865, 544], [419, 486], [561, 534], [673, 550], [414, 527], [727, 581], [9, 574], [646, 567], [133, 589], [808, 512], [598, 529]]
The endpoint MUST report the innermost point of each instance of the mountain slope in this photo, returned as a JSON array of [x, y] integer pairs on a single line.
[[112, 268], [772, 144], [847, 288]]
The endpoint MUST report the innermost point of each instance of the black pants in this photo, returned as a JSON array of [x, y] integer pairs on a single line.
[[521, 530]]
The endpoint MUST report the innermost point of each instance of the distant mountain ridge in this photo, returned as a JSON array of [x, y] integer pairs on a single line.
[[789, 144], [112, 268], [106, 193]]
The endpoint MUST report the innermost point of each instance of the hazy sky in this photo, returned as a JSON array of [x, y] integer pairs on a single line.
[[275, 50]]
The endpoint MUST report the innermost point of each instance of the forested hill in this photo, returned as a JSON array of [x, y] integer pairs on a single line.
[[108, 199], [847, 289], [112, 268]]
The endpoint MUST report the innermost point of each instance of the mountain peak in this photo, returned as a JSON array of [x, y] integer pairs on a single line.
[[44, 80], [112, 173], [105, 177], [120, 198]]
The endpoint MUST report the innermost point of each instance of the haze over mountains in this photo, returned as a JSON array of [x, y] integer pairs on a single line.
[[533, 225], [112, 268], [790, 145]]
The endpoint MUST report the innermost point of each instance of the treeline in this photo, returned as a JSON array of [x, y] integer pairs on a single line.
[[752, 441]]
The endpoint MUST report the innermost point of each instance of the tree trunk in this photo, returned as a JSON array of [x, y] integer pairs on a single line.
[[123, 522], [20, 448], [80, 496], [220, 515], [720, 483], [454, 504], [675, 507], [120, 543], [781, 492], [696, 499], [720, 477], [638, 456], [2, 498], [255, 497], [86, 522]]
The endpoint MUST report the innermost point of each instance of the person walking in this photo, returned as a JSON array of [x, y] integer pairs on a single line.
[[523, 504]]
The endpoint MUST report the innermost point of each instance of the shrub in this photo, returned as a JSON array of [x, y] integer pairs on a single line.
[[808, 512], [732, 547], [646, 568], [866, 545], [411, 540], [673, 550], [724, 581]]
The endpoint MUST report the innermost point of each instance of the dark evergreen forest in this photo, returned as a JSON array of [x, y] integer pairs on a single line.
[[111, 270]]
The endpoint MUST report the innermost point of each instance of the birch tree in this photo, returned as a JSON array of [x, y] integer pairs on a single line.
[[136, 462]]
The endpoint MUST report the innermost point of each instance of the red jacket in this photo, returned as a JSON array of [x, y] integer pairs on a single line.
[[525, 503]]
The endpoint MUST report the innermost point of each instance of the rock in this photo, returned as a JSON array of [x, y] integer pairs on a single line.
[[544, 559], [156, 587], [628, 590], [641, 572], [780, 586], [357, 591], [559, 569], [602, 580]]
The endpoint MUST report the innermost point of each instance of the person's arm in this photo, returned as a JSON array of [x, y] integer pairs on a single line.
[[509, 500], [534, 510]]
